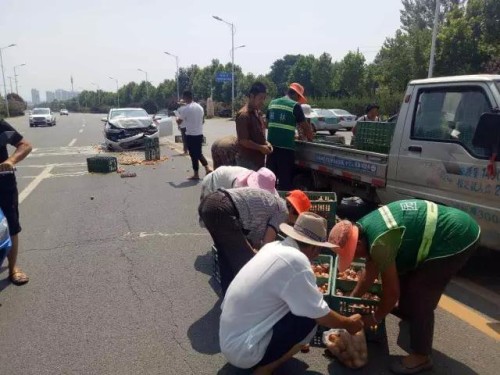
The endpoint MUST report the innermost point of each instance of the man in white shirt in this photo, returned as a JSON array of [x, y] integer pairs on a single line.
[[192, 118], [273, 305]]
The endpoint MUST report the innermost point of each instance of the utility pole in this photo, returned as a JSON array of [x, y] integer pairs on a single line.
[[15, 76], [117, 93], [5, 82], [232, 61], [10, 80], [177, 73], [147, 83], [434, 35]]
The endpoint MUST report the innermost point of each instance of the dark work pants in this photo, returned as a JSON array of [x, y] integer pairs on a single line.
[[420, 291], [184, 142], [282, 162], [194, 143], [222, 221]]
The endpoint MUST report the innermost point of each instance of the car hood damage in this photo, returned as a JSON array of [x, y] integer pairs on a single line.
[[131, 123]]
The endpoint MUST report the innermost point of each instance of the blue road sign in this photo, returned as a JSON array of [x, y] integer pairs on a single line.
[[223, 77]]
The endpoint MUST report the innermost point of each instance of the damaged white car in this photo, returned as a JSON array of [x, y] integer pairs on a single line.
[[127, 128]]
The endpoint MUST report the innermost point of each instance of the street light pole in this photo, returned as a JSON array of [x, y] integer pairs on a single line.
[[117, 93], [433, 43], [232, 56], [4, 82], [147, 85], [177, 73], [15, 76], [232, 61], [10, 80]]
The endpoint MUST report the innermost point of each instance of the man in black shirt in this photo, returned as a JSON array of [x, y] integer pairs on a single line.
[[9, 195]]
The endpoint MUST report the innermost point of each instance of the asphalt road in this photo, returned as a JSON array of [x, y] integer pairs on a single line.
[[120, 273]]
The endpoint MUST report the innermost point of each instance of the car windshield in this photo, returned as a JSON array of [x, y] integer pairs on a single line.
[[129, 113], [324, 112], [41, 111], [341, 112]]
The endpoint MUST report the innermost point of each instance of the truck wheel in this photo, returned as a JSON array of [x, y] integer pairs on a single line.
[[303, 182], [332, 132]]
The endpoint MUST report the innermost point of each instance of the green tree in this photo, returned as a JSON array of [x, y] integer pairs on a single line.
[[301, 72], [419, 14], [280, 72], [350, 73], [322, 75]]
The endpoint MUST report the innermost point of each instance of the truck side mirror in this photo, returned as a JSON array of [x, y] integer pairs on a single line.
[[487, 134]]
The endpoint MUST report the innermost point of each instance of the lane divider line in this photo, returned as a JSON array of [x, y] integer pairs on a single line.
[[73, 141], [468, 315], [33, 184], [80, 131]]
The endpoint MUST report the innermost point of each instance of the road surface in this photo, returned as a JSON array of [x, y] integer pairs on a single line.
[[121, 274]]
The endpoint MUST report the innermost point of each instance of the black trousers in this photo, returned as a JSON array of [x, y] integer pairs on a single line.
[[282, 162], [183, 135], [194, 143], [421, 290], [221, 218]]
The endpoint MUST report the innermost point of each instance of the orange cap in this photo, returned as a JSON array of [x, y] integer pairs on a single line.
[[299, 201], [299, 89], [345, 235]]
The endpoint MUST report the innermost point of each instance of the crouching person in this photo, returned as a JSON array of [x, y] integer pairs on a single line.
[[273, 305]]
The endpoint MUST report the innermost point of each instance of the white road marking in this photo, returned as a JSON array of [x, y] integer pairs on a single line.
[[80, 131], [160, 234], [33, 184], [83, 125], [55, 165], [73, 141]]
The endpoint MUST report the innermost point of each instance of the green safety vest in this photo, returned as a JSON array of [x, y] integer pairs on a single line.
[[423, 230], [282, 123]]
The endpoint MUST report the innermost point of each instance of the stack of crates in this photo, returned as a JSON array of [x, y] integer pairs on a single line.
[[342, 303], [374, 136], [102, 164], [321, 280], [322, 203], [152, 148]]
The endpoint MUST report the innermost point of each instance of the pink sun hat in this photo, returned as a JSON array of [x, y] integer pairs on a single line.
[[262, 179]]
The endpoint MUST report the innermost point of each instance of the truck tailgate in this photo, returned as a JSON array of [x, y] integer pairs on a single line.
[[343, 161]]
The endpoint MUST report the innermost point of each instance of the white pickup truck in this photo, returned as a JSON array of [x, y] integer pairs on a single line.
[[431, 155]]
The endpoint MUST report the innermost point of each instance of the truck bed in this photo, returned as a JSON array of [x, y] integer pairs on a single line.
[[343, 161]]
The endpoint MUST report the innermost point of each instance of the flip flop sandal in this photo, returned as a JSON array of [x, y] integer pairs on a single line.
[[398, 367], [19, 278]]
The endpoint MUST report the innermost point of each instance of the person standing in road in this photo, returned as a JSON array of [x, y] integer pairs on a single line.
[[285, 116], [9, 195], [273, 306], [417, 246], [252, 144], [371, 113], [192, 117], [182, 127]]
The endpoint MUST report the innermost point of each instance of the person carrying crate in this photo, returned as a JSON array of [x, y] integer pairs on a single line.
[[417, 246], [273, 305]]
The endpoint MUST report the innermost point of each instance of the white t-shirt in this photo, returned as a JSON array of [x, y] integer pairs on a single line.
[[192, 118], [277, 280], [222, 177]]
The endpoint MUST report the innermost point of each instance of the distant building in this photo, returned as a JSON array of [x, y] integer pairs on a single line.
[[35, 96], [62, 95], [50, 96]]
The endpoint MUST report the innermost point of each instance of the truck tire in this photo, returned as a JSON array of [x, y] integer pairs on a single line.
[[303, 181], [332, 132], [354, 208]]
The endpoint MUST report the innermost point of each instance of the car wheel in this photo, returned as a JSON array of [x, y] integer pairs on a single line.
[[31, 125], [332, 132]]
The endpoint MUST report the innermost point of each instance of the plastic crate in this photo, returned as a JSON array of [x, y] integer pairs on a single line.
[[374, 136], [102, 164], [317, 339], [322, 203], [346, 305]]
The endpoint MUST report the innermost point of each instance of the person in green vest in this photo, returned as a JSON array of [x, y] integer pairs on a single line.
[[284, 117], [416, 246]]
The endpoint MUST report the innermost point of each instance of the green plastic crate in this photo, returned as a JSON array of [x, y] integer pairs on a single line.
[[346, 305], [215, 264], [374, 136], [102, 164], [322, 203]]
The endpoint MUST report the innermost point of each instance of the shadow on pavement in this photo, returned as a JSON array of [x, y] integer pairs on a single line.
[[4, 284], [185, 184], [204, 263], [204, 333], [292, 367]]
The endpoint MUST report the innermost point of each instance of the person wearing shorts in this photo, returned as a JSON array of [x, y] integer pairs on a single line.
[[9, 195], [273, 305]]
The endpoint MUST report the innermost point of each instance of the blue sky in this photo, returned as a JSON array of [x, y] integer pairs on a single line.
[[94, 39]]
